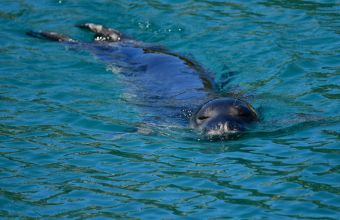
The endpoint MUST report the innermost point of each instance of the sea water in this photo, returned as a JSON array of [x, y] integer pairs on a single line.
[[73, 144]]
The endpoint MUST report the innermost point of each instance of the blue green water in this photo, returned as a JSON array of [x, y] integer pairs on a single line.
[[74, 145]]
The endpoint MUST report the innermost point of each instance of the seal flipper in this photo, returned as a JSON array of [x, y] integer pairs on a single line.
[[53, 36], [102, 33]]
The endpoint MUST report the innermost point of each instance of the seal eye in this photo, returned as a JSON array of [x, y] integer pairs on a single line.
[[240, 111], [202, 117]]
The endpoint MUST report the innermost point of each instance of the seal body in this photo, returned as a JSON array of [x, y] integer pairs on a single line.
[[165, 83]]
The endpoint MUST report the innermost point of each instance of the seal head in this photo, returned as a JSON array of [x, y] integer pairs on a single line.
[[223, 117]]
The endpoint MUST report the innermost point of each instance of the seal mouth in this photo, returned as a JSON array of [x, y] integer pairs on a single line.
[[223, 131]]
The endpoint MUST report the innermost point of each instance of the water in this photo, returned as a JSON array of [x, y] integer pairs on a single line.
[[73, 145]]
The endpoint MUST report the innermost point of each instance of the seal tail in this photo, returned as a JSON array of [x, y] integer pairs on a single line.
[[102, 33], [53, 36]]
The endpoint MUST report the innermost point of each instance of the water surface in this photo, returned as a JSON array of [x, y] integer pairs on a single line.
[[73, 144]]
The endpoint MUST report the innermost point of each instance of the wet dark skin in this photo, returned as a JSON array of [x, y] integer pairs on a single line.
[[166, 82]]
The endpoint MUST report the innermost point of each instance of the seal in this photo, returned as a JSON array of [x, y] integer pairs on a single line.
[[167, 84]]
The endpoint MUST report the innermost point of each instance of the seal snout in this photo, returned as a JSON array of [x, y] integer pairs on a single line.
[[222, 128]]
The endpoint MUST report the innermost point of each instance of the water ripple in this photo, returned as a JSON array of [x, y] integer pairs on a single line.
[[72, 145]]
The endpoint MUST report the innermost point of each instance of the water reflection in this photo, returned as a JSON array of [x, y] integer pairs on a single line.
[[72, 146]]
